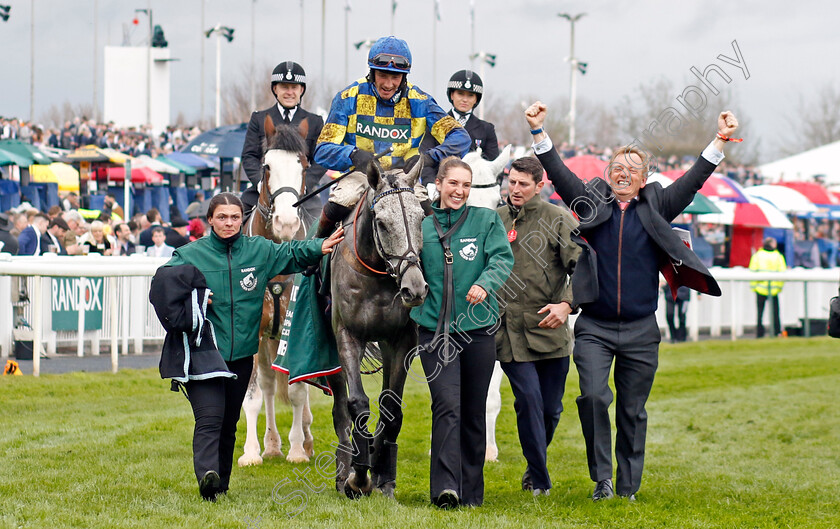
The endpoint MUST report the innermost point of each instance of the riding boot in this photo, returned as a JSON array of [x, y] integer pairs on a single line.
[[427, 206], [326, 226], [330, 215], [386, 464]]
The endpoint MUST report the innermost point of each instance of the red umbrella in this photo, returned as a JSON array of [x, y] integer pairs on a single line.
[[814, 191], [716, 185], [586, 166], [139, 175]]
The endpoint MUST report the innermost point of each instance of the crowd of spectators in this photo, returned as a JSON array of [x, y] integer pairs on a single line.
[[81, 131], [69, 230]]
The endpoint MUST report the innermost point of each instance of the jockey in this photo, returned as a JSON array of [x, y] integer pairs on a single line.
[[288, 84], [376, 112], [464, 91]]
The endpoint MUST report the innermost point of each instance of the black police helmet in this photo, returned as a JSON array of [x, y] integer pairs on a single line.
[[468, 81], [288, 72]]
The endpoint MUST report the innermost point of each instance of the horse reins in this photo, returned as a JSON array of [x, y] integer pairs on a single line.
[[267, 212]]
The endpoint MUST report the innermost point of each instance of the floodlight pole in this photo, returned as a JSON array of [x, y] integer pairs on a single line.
[[573, 62]]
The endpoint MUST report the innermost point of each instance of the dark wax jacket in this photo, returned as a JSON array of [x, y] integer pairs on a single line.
[[252, 150], [482, 256], [656, 207], [237, 274], [544, 259]]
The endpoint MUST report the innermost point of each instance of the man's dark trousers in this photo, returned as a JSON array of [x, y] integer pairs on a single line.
[[538, 390], [635, 347], [761, 301]]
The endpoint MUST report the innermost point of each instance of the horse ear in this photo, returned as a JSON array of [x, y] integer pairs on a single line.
[[501, 161], [373, 174], [414, 174], [268, 126], [303, 128]]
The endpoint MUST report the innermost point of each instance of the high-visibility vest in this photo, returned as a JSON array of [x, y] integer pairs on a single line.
[[764, 261]]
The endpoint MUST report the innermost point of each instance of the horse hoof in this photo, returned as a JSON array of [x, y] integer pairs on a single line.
[[353, 491], [272, 453], [296, 455], [491, 453], [387, 489], [249, 460], [309, 447]]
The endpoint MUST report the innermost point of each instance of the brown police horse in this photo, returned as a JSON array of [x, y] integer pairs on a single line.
[[284, 164]]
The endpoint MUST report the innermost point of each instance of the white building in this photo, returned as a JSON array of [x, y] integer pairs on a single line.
[[126, 88]]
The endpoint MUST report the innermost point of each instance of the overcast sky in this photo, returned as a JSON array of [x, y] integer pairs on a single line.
[[791, 49]]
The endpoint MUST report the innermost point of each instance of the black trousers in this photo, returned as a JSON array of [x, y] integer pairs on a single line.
[[635, 348], [760, 302], [676, 309], [459, 403], [216, 405], [538, 389]]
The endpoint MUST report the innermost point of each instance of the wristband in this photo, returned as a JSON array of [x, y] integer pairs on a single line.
[[721, 137], [536, 131]]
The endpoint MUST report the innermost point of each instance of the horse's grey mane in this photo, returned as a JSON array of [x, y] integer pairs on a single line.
[[286, 138]]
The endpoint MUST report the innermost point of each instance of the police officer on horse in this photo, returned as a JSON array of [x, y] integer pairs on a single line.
[[288, 84], [464, 90]]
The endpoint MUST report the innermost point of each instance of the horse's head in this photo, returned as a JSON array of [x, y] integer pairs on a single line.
[[284, 164], [396, 218], [485, 191]]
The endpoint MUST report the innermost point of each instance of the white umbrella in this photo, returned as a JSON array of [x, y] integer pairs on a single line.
[[786, 199], [758, 213]]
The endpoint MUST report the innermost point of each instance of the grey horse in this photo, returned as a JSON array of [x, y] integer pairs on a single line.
[[375, 279]]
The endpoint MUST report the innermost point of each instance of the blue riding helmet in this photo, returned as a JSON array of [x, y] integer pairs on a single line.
[[390, 54]]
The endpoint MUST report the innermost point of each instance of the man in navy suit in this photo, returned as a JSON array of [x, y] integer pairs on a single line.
[[288, 84], [55, 233], [29, 240], [626, 241]]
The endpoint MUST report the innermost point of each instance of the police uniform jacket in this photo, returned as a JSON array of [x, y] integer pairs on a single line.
[[482, 135], [252, 151]]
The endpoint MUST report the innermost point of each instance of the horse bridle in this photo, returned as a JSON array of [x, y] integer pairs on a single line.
[[267, 212], [410, 256]]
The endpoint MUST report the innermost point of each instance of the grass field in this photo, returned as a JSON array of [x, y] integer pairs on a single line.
[[741, 435]]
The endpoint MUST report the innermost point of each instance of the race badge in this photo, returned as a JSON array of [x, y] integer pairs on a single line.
[[248, 283], [511, 235], [380, 132], [469, 252]]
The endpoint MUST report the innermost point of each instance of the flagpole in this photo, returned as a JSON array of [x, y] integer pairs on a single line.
[[472, 34], [393, 14], [347, 40], [434, 45]]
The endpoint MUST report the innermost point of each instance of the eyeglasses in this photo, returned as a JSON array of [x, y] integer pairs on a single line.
[[386, 59]]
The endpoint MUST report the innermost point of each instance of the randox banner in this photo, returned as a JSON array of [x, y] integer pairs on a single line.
[[69, 294]]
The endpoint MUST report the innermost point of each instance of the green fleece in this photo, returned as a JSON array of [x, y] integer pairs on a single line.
[[237, 275], [482, 256]]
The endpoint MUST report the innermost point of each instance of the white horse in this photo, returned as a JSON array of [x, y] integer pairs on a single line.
[[486, 193], [275, 218]]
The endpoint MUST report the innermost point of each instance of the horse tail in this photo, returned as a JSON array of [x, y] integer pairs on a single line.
[[371, 361]]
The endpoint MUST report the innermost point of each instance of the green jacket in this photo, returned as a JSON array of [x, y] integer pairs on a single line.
[[237, 275], [545, 258], [482, 257]]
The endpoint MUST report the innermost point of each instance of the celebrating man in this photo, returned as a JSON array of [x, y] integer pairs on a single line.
[[628, 240]]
